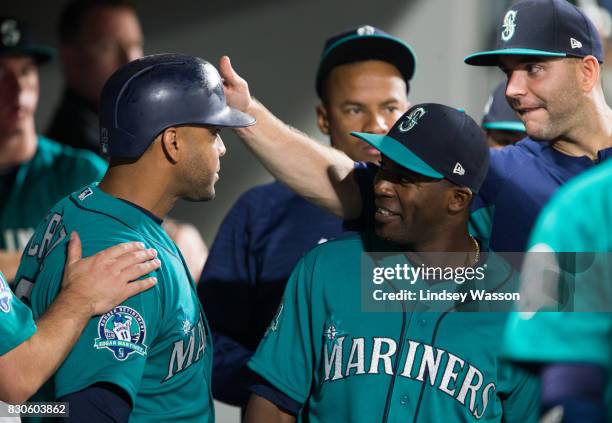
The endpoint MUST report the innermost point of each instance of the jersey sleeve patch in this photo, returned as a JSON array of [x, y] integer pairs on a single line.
[[122, 331]]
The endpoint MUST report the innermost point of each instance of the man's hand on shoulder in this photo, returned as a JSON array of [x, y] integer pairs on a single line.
[[106, 279]]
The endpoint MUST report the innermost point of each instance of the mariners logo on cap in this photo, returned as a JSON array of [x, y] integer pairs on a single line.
[[5, 295], [366, 30], [122, 330], [10, 33], [508, 25], [412, 119]]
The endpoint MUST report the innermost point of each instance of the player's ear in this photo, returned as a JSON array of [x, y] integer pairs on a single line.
[[588, 71], [170, 144], [322, 119], [459, 199]]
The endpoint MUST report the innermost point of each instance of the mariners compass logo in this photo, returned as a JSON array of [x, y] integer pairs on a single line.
[[333, 332], [509, 25], [122, 330], [412, 119], [366, 30], [10, 33]]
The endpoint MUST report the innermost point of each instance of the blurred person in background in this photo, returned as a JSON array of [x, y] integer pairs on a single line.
[[500, 123], [35, 172], [96, 38]]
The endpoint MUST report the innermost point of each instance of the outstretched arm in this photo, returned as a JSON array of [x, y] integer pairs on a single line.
[[90, 286], [319, 173]]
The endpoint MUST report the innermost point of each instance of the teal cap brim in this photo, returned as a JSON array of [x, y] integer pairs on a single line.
[[491, 58], [40, 52], [399, 153], [505, 126]]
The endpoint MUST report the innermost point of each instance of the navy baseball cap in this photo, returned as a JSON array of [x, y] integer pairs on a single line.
[[436, 141], [365, 43], [554, 28], [17, 40], [499, 114]]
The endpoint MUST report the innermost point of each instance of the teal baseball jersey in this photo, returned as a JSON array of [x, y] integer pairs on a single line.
[[578, 219], [156, 345], [346, 364], [16, 322], [34, 187]]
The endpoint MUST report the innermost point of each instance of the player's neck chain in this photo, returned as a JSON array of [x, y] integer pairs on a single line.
[[477, 251]]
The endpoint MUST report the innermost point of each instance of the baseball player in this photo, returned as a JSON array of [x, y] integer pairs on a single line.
[[96, 38], [325, 359], [554, 85], [573, 348], [500, 123], [160, 121], [363, 82], [30, 352], [36, 172]]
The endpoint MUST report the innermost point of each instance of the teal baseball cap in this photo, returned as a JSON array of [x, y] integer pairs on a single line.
[[437, 141], [365, 43], [549, 28], [17, 40]]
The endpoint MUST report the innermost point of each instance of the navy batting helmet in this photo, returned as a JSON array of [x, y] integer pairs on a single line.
[[153, 93]]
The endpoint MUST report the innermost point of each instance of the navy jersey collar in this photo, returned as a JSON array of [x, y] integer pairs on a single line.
[[545, 150]]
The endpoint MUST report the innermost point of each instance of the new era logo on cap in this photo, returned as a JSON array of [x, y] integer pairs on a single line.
[[459, 170], [575, 43]]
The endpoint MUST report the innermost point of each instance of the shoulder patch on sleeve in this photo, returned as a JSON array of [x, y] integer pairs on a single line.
[[122, 331]]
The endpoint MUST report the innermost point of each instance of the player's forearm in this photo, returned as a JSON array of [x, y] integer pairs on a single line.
[[260, 410], [30, 364], [317, 172]]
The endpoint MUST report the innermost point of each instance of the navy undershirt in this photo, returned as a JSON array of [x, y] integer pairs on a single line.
[[100, 402]]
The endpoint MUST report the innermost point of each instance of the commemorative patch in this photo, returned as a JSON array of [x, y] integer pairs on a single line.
[[5, 295], [122, 330]]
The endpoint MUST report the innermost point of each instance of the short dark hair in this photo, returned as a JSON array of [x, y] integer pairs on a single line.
[[324, 94], [73, 13]]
